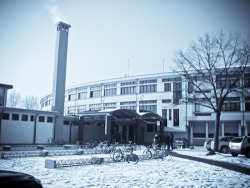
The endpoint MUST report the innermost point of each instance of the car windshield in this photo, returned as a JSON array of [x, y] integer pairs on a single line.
[[236, 140]]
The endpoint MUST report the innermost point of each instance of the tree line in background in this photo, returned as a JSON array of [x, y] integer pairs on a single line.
[[15, 100]]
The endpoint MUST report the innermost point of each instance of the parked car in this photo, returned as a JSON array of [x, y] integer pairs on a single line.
[[223, 143], [181, 142], [240, 145], [18, 179]]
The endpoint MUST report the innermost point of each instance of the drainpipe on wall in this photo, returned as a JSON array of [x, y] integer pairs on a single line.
[[35, 124]]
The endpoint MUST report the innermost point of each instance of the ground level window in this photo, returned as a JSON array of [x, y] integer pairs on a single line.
[[41, 119], [32, 118], [6, 116], [24, 117], [15, 116], [49, 119]]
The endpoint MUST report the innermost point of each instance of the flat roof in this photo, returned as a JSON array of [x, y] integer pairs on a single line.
[[6, 86]]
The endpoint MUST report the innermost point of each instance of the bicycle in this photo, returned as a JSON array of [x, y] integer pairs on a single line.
[[155, 151], [125, 154]]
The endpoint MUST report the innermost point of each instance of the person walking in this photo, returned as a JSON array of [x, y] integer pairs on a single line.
[[172, 141], [168, 141]]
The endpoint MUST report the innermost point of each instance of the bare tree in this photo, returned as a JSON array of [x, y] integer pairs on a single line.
[[215, 67], [14, 99], [31, 103]]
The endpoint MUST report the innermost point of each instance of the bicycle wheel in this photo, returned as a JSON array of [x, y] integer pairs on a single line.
[[117, 156], [132, 158], [147, 154], [157, 154]]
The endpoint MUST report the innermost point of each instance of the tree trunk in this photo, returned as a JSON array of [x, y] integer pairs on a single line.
[[216, 131]]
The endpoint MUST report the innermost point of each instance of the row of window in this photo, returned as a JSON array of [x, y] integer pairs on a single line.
[[232, 106], [24, 117], [111, 90], [113, 105]]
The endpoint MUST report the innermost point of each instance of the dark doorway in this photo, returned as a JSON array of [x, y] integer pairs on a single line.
[[124, 134], [131, 133]]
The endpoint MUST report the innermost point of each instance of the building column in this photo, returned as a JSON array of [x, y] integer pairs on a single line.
[[222, 129], [207, 131], [191, 134], [244, 127], [239, 129]]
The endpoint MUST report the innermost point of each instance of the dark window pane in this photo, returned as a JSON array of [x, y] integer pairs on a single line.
[[15, 116], [6, 116], [41, 119]]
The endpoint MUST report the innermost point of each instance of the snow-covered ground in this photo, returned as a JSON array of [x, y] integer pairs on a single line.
[[171, 172]]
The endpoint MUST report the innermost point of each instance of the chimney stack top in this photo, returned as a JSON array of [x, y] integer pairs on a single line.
[[66, 26]]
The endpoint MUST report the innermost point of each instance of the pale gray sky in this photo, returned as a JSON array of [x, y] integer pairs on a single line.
[[104, 35]]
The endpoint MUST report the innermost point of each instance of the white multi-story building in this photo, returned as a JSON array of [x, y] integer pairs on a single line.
[[165, 94]]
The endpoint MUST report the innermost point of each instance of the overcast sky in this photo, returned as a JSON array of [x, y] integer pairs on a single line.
[[104, 35]]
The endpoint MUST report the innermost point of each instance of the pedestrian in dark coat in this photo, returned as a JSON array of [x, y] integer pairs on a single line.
[[168, 141], [172, 141]]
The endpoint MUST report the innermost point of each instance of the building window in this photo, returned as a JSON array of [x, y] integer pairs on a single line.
[[197, 107], [164, 113], [109, 105], [169, 113], [231, 107], [81, 108], [6, 116], [148, 106], [24, 117], [49, 119], [82, 95], [177, 92], [128, 105], [41, 119], [72, 97], [227, 81], [31, 118], [71, 110], [190, 87], [15, 117], [95, 92], [148, 88], [167, 87], [176, 117], [128, 83], [148, 81], [95, 107], [171, 79], [110, 92], [247, 80], [231, 104], [110, 89], [66, 122], [166, 101], [128, 90]]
